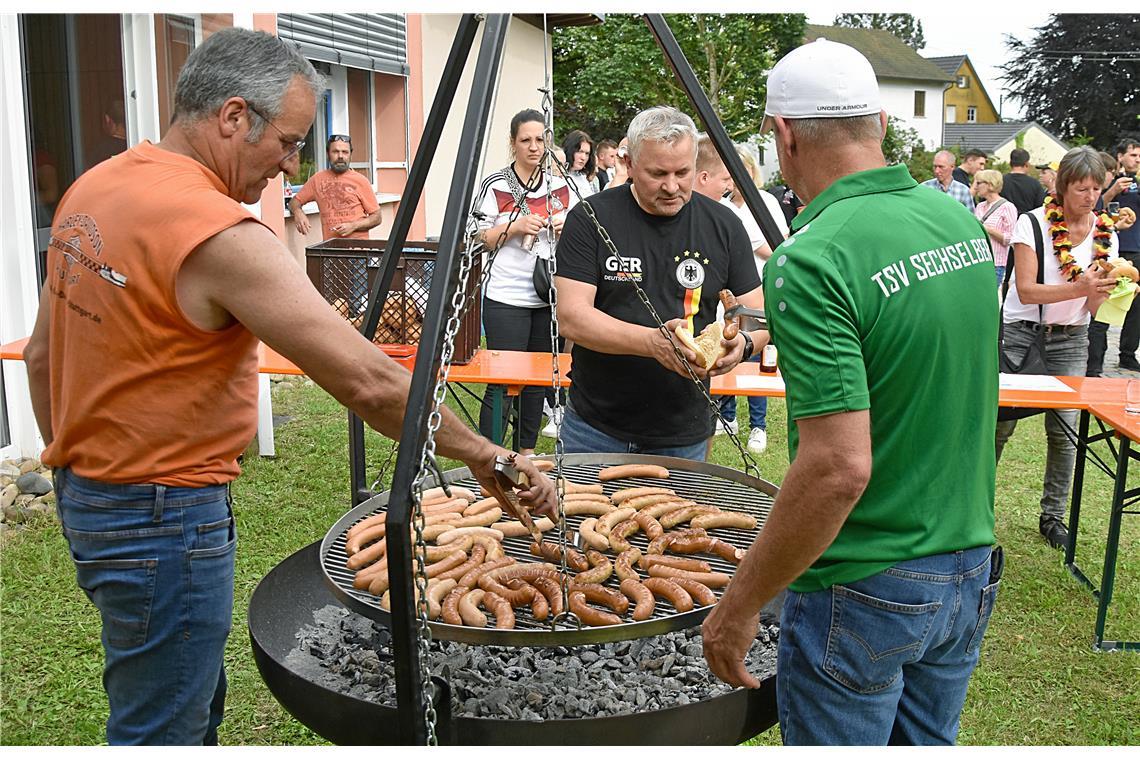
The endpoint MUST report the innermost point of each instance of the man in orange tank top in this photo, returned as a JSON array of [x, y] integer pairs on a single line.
[[143, 373], [345, 199]]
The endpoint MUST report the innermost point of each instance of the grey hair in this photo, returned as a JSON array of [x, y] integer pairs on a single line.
[[1079, 164], [255, 66], [660, 124], [867, 128]]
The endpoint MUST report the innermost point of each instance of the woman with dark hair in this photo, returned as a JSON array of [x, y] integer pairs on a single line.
[[579, 149], [511, 211], [1074, 240]]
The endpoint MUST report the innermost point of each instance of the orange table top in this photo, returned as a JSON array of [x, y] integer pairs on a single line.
[[517, 369], [1113, 415]]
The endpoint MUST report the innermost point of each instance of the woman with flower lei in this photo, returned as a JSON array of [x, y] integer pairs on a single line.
[[1074, 287]]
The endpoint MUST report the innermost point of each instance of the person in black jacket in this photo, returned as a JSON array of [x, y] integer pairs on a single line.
[[1018, 187]]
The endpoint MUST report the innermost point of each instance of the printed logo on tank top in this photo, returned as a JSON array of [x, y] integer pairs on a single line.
[[80, 246], [558, 201]]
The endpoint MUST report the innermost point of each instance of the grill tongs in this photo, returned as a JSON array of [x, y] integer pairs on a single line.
[[507, 477], [750, 319]]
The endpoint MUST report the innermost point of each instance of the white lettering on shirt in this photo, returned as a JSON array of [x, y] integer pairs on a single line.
[[927, 265]]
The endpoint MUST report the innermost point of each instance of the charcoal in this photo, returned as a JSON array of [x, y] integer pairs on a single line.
[[347, 652]]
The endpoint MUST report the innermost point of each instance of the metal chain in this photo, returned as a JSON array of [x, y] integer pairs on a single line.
[[428, 463]]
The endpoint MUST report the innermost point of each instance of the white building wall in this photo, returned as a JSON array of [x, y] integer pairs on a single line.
[[898, 101], [521, 74]]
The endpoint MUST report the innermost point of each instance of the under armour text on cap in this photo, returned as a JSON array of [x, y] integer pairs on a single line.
[[819, 80]]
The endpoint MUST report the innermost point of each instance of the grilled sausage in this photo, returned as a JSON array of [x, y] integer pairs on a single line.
[[492, 546], [681, 563], [599, 594], [501, 609], [512, 528], [454, 533], [436, 590], [632, 471], [527, 571], [663, 588], [702, 594], [712, 580], [600, 568], [457, 492], [482, 506], [726, 551], [544, 465], [581, 487], [623, 566], [471, 578], [478, 555], [627, 494], [657, 510], [641, 502], [588, 614], [553, 553], [379, 583], [450, 607], [641, 597], [586, 508], [724, 519], [619, 533], [607, 521], [588, 497], [551, 590], [592, 537], [469, 608], [649, 525], [684, 514], [539, 607]]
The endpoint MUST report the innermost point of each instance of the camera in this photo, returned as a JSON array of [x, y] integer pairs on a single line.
[[1113, 208]]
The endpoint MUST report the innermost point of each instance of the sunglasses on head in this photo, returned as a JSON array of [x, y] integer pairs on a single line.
[[339, 138]]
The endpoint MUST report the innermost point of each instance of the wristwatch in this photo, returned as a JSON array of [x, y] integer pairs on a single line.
[[748, 347]]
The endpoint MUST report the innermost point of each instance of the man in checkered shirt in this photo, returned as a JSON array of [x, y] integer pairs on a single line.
[[944, 180]]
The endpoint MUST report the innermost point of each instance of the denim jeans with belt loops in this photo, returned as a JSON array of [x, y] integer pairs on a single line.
[[158, 563], [1066, 354], [886, 659]]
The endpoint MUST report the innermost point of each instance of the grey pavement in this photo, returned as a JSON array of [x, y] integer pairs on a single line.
[[1112, 356]]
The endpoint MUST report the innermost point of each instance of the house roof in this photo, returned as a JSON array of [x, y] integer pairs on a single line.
[[890, 57], [989, 137], [948, 63]]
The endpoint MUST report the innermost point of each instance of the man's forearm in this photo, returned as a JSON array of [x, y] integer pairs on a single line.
[[39, 385], [369, 221], [600, 332]]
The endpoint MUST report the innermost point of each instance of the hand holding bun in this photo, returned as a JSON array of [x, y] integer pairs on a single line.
[[706, 346]]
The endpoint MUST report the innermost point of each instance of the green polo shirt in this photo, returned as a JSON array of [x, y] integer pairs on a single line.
[[884, 298]]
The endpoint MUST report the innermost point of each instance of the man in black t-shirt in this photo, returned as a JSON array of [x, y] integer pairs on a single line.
[[1017, 187], [630, 393]]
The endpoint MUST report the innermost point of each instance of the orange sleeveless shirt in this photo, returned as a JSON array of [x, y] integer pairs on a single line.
[[139, 394]]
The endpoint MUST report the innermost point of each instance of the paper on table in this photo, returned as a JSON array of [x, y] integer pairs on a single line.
[[1043, 383], [765, 382]]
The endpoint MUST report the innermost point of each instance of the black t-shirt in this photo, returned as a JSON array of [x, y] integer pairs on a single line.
[[1129, 198], [960, 174], [1022, 191], [681, 262]]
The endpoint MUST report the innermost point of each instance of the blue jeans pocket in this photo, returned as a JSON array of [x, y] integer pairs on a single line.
[[214, 539], [985, 610], [870, 639], [123, 591]]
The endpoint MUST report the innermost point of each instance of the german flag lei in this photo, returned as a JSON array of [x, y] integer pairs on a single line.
[[1063, 245]]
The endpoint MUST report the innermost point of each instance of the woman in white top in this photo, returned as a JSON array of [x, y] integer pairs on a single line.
[[1073, 289], [511, 210], [579, 149]]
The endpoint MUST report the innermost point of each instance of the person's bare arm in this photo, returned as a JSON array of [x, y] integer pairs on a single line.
[[580, 322], [364, 223], [830, 472], [237, 272], [1093, 285], [37, 358], [300, 218], [734, 349]]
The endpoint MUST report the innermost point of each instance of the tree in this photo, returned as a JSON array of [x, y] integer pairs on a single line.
[[1079, 76], [604, 75], [902, 25]]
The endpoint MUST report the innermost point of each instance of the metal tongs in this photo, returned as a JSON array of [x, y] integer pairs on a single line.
[[749, 319], [508, 477]]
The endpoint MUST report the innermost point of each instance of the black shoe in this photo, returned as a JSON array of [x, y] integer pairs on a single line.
[[1054, 532], [1093, 373], [1129, 362]]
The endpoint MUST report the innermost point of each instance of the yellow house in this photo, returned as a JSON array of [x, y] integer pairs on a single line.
[[966, 100]]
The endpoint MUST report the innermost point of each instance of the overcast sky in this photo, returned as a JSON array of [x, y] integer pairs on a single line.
[[970, 27]]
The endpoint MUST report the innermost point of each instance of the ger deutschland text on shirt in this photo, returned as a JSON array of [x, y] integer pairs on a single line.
[[927, 265]]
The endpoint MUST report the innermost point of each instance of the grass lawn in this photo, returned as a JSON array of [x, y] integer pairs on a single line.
[[1039, 681]]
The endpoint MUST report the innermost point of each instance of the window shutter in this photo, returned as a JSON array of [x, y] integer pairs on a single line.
[[372, 41]]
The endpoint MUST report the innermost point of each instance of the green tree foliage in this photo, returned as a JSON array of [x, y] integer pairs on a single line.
[[1079, 76], [605, 74], [902, 25]]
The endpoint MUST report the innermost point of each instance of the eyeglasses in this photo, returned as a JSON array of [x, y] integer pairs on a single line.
[[339, 138], [297, 144]]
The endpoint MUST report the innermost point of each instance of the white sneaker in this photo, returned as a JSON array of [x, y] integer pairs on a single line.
[[555, 415], [732, 427], [757, 440]]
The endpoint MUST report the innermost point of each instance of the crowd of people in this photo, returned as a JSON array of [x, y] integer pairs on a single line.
[[889, 345]]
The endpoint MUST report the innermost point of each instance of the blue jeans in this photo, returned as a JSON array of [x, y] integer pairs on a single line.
[[1066, 353], [757, 408], [158, 563], [887, 659], [579, 437], [1000, 275]]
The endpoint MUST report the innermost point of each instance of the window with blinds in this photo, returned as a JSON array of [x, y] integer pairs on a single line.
[[374, 41]]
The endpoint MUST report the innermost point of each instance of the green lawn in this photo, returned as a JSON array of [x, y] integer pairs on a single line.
[[1039, 681]]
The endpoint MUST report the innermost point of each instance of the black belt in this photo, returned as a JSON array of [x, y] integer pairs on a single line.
[[1049, 329]]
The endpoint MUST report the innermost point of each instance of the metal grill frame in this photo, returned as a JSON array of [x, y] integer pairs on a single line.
[[694, 480]]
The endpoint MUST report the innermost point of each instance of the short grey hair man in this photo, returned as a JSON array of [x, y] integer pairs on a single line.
[[255, 66], [660, 124]]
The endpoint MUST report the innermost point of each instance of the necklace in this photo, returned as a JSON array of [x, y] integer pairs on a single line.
[[1063, 244]]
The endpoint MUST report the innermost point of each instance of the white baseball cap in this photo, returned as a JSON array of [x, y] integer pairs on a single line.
[[822, 79]]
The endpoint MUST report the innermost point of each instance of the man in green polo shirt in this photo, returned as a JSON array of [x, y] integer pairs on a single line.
[[881, 303]]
